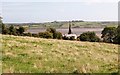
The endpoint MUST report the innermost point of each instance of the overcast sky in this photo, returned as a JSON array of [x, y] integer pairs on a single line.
[[60, 1], [51, 10]]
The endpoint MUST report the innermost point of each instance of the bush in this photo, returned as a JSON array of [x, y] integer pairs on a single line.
[[72, 38], [51, 30], [35, 35], [57, 35], [27, 34], [12, 30], [89, 36], [21, 30], [108, 34], [65, 38], [45, 35], [116, 40], [69, 38], [5, 30], [78, 38]]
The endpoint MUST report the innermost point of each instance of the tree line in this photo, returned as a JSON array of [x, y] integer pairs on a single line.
[[20, 31], [109, 34]]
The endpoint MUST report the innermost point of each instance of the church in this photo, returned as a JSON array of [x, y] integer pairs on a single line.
[[70, 34]]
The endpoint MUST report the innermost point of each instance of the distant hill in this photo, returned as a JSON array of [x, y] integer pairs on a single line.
[[64, 24], [38, 55]]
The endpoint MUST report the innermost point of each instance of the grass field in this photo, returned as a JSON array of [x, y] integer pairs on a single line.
[[38, 55], [74, 24], [65, 24]]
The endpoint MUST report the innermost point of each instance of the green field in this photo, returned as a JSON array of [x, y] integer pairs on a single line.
[[38, 55], [65, 24], [74, 24]]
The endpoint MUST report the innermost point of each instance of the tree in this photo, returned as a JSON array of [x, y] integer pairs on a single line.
[[108, 34], [51, 30], [58, 35], [45, 35], [0, 25], [3, 28], [117, 37], [21, 30], [12, 30], [55, 34], [89, 36]]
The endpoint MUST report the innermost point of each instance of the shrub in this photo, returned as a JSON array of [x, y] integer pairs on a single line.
[[21, 30], [117, 37], [12, 30], [108, 34], [69, 38], [78, 38], [5, 30], [116, 40], [45, 35], [27, 34], [57, 35], [35, 35], [72, 38], [51, 30], [65, 38], [89, 36]]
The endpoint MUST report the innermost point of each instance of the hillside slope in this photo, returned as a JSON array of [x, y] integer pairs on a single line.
[[37, 55], [65, 24]]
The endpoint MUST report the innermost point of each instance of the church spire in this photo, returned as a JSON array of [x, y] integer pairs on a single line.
[[70, 31]]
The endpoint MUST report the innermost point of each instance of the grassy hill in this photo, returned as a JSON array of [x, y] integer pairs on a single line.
[[64, 24], [38, 55]]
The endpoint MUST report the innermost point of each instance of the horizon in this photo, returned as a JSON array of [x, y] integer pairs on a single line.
[[54, 21]]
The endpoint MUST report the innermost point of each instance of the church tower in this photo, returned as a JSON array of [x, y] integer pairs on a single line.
[[70, 31]]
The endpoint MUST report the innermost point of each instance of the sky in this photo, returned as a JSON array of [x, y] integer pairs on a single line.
[[36, 11], [60, 1]]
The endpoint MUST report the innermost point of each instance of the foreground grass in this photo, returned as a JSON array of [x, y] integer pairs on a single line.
[[37, 55]]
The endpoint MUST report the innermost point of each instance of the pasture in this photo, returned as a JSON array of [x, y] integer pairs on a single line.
[[38, 55]]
